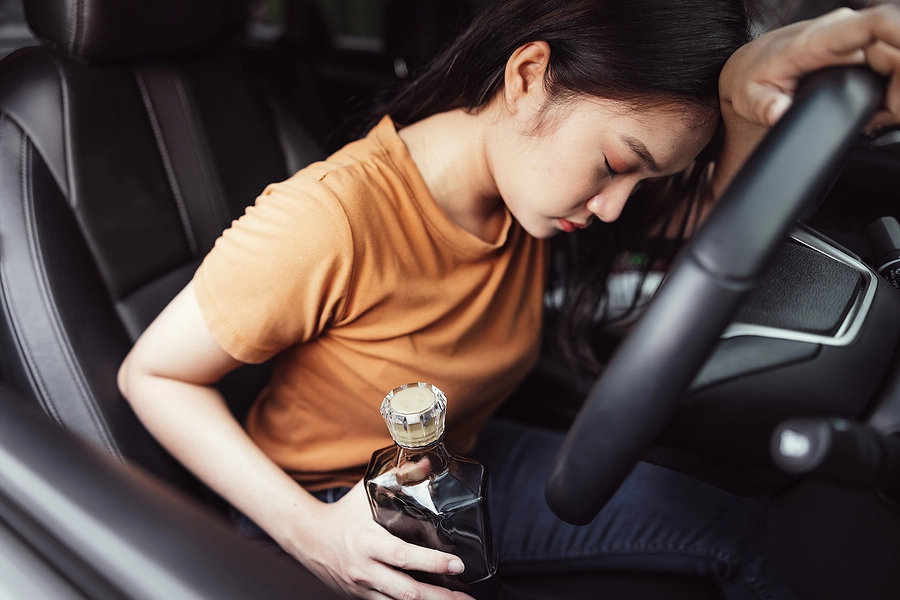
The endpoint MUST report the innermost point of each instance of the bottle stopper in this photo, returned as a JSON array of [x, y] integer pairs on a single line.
[[414, 414]]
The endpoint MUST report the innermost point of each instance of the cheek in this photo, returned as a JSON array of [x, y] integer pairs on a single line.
[[547, 176], [562, 179], [526, 178]]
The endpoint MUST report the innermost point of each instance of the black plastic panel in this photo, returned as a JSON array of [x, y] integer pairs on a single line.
[[802, 290], [744, 355], [732, 418]]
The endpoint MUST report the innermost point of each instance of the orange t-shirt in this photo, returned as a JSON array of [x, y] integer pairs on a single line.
[[355, 280]]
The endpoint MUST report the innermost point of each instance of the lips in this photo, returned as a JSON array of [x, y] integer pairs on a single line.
[[569, 226]]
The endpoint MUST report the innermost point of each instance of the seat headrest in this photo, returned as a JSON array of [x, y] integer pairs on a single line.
[[118, 30]]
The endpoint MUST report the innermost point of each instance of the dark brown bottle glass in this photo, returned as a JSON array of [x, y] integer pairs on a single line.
[[426, 496]]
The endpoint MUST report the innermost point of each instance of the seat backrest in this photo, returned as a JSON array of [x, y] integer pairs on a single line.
[[128, 141]]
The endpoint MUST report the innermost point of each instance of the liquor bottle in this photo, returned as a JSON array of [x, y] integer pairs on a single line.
[[426, 496]]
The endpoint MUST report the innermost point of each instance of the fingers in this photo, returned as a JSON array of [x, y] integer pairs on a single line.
[[842, 31], [399, 586], [409, 557], [414, 472], [885, 23], [846, 31], [882, 118], [377, 573], [357, 555], [875, 32], [847, 36], [765, 73], [885, 59], [381, 545], [379, 577], [837, 38], [767, 103]]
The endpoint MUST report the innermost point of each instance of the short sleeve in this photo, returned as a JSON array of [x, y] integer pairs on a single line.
[[279, 275]]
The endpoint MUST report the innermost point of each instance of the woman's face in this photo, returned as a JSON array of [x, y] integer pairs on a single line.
[[585, 160]]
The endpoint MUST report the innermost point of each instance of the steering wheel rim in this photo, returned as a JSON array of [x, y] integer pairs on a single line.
[[635, 397]]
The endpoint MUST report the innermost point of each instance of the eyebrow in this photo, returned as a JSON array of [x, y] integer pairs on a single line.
[[641, 150]]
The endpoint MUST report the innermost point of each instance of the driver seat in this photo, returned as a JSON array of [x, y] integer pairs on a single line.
[[129, 140]]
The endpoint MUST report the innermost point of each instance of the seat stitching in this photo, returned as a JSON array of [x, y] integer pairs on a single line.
[[44, 287], [67, 138], [73, 24], [205, 167], [81, 27], [21, 342], [167, 164], [44, 394]]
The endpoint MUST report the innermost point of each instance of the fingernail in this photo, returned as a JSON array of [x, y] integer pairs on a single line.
[[456, 567], [778, 108]]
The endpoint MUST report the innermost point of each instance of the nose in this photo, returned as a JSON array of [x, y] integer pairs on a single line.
[[608, 204]]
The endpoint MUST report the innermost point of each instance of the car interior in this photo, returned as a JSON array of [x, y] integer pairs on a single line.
[[132, 134]]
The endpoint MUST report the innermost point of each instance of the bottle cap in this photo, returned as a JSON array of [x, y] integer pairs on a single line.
[[414, 413]]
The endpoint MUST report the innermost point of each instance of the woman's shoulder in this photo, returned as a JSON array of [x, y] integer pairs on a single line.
[[373, 174]]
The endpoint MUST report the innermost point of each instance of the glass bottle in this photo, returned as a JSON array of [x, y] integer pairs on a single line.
[[424, 495]]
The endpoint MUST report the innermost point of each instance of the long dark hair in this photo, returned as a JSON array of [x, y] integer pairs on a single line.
[[643, 52]]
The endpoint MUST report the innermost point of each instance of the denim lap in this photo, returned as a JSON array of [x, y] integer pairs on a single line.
[[658, 520]]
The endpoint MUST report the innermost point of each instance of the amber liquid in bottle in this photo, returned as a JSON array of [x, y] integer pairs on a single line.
[[427, 496]]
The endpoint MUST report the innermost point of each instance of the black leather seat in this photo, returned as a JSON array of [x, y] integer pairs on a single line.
[[128, 141]]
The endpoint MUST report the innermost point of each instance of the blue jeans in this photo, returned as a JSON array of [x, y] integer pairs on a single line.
[[658, 520]]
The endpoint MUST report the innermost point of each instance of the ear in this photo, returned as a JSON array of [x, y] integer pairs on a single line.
[[524, 75]]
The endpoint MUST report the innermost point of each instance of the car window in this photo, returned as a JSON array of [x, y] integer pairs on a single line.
[[357, 24]]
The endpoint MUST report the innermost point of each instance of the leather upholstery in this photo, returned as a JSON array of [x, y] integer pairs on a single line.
[[83, 527], [115, 180], [119, 30]]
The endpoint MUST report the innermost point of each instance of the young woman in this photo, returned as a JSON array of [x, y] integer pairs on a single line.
[[420, 253]]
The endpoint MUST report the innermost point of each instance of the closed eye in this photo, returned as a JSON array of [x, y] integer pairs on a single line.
[[609, 170]]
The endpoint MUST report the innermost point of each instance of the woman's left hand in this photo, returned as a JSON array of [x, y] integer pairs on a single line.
[[758, 82]]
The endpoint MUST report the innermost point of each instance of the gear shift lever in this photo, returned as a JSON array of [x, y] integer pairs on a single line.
[[850, 454]]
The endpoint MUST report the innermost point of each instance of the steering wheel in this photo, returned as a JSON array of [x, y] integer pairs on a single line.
[[635, 397]]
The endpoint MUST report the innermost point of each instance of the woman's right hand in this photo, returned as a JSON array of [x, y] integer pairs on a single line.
[[351, 552], [168, 378]]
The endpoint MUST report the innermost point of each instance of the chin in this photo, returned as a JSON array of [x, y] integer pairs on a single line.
[[541, 233], [537, 227]]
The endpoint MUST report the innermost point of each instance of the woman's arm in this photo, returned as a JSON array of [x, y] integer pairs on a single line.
[[168, 378], [758, 82]]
